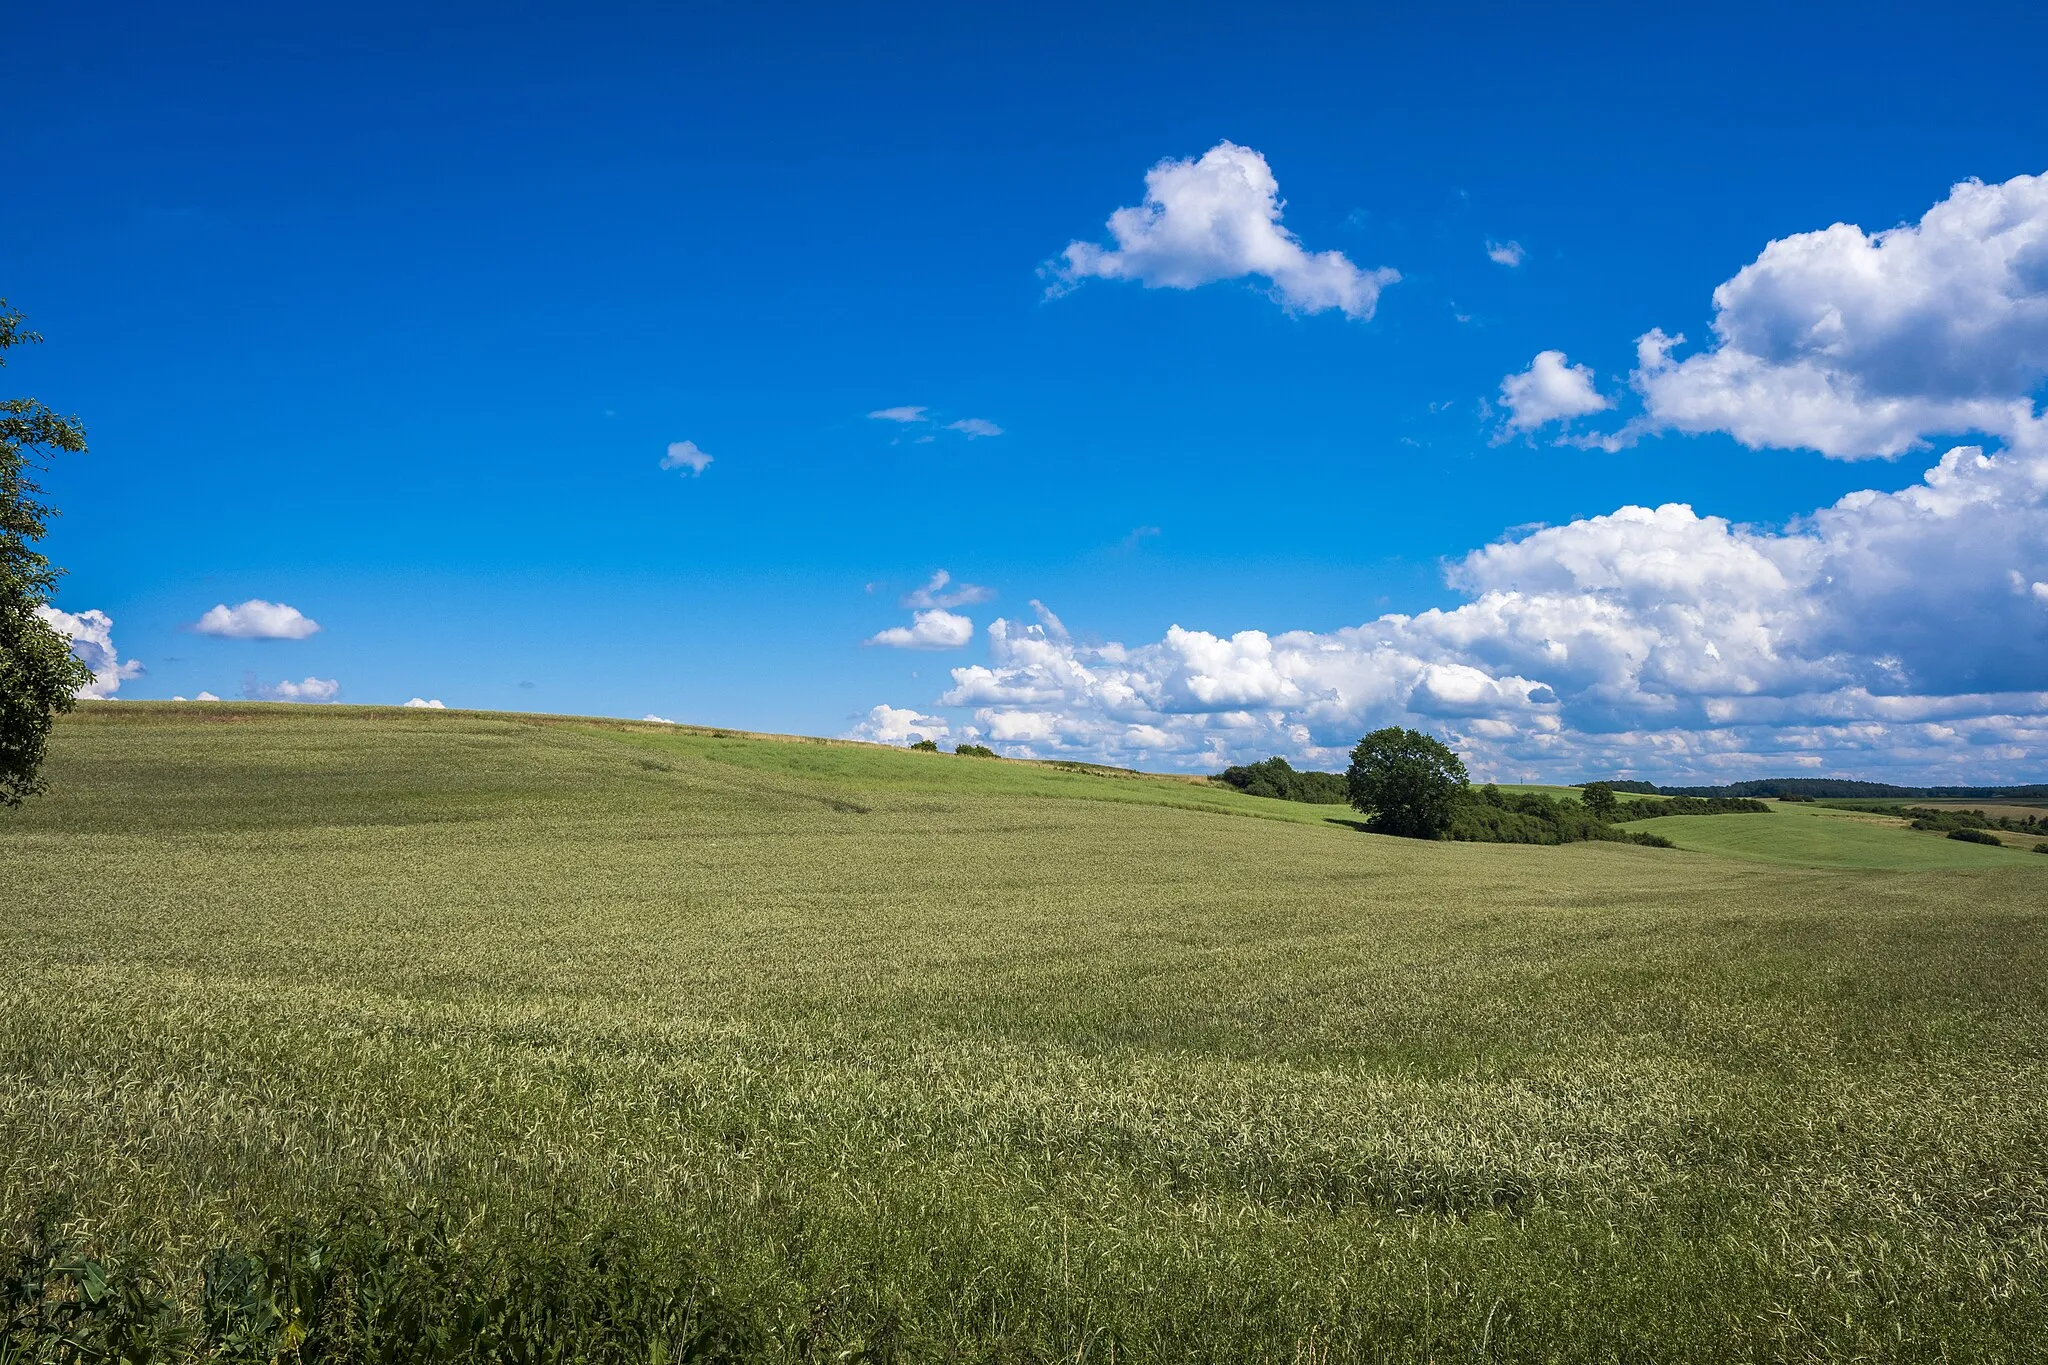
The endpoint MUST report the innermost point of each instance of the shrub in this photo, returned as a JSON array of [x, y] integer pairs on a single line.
[[2041, 848], [1274, 777], [1492, 816], [975, 751], [1599, 799], [1976, 836], [930, 746]]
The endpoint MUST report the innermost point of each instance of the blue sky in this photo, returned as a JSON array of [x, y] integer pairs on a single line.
[[391, 318]]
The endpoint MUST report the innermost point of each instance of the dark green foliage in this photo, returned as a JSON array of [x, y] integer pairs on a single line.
[[2041, 848], [975, 751], [1976, 836], [929, 746], [1694, 805], [1275, 777], [1405, 783], [58, 1305], [1933, 818], [1633, 786], [37, 671], [1489, 815], [1598, 798], [414, 1284]]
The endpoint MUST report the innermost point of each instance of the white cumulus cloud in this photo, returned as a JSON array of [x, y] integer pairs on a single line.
[[256, 619], [1549, 390], [685, 455], [1509, 254], [422, 704], [92, 639], [1863, 344], [898, 725], [1217, 217], [307, 689], [933, 629], [657, 720]]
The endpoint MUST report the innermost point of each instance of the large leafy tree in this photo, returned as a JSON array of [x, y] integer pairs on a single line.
[[1600, 800], [1405, 783], [38, 673]]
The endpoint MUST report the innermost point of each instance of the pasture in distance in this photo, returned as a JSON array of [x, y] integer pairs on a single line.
[[863, 1054]]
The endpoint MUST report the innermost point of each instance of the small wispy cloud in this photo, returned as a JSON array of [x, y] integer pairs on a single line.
[[1509, 254], [902, 414], [942, 591], [972, 427], [685, 455], [1138, 536]]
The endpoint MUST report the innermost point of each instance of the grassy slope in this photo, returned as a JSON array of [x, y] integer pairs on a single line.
[[910, 1052], [1817, 836]]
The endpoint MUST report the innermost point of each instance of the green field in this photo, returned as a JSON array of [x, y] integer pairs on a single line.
[[1808, 835], [830, 1052]]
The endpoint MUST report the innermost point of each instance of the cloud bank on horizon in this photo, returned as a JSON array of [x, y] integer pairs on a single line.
[[1902, 633]]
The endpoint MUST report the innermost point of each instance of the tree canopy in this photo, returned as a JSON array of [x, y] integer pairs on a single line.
[[38, 674], [1405, 783]]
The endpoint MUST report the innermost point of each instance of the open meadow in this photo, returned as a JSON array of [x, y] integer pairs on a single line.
[[341, 1028]]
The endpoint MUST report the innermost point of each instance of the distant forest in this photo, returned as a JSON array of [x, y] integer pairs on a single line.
[[1821, 788]]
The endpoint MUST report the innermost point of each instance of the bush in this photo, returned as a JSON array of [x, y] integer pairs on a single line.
[[930, 746], [1976, 836], [975, 751], [1600, 800], [1274, 777], [2041, 848], [1492, 816]]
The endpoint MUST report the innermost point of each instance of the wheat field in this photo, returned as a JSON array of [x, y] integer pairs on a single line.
[[352, 1033]]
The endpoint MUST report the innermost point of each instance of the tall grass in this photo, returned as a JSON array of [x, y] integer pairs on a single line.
[[655, 1049]]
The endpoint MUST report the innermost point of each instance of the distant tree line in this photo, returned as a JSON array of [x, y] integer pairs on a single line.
[[1823, 788], [1693, 805]]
